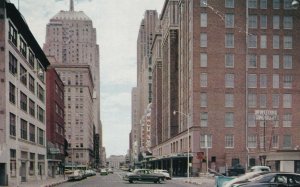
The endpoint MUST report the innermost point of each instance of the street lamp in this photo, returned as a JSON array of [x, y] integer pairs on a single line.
[[188, 140]]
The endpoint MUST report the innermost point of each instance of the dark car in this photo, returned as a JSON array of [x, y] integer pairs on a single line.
[[144, 175], [275, 179], [236, 170]]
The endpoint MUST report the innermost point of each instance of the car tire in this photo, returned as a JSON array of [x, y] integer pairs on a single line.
[[130, 181]]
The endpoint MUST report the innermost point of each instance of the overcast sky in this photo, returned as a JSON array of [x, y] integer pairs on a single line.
[[117, 23]]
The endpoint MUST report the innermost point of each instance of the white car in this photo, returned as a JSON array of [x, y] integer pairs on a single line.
[[243, 178], [164, 172], [260, 168], [76, 175]]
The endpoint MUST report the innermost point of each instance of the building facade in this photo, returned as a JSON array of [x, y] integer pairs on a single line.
[[71, 39], [55, 122], [23, 101], [232, 84]]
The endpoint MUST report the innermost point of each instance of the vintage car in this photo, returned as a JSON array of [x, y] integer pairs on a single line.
[[76, 175], [164, 172], [144, 175]]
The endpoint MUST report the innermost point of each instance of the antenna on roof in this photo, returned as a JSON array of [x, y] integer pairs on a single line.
[[71, 5]]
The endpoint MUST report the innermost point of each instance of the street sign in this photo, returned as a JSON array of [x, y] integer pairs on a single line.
[[266, 115]]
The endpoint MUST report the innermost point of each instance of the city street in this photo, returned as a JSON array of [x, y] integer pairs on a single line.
[[115, 180]]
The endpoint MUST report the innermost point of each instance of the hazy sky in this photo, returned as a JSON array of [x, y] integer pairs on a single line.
[[117, 23]]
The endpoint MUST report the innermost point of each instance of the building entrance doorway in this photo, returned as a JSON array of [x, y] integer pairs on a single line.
[[23, 172]]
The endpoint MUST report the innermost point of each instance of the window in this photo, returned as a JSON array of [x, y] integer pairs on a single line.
[[203, 60], [12, 34], [275, 61], [31, 132], [31, 83], [263, 41], [263, 81], [203, 20], [229, 20], [229, 3], [23, 75], [275, 81], [287, 100], [229, 60], [252, 100], [251, 120], [287, 62], [252, 42], [263, 61], [229, 119], [261, 142], [203, 119], [276, 22], [287, 4], [287, 81], [252, 3], [229, 141], [287, 141], [263, 4], [288, 22], [203, 100], [275, 42], [229, 80], [203, 3], [23, 129], [252, 21], [252, 141], [23, 47], [263, 100], [41, 114], [275, 141], [263, 21], [275, 100], [31, 164], [41, 93], [12, 93], [229, 100], [12, 124], [31, 108], [13, 165], [276, 4], [31, 58], [287, 120], [23, 101], [13, 64], [252, 81], [41, 136], [205, 139], [287, 42], [229, 40], [252, 63], [203, 80], [203, 40]]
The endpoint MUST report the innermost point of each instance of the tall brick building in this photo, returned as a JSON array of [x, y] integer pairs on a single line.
[[222, 61]]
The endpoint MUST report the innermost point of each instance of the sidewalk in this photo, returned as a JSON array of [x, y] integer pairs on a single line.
[[46, 183], [203, 181]]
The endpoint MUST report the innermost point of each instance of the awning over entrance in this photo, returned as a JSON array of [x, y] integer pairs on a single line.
[[283, 155], [54, 150]]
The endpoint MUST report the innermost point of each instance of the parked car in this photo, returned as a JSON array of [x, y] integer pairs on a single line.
[[164, 172], [110, 170], [260, 168], [236, 170], [144, 175], [76, 175], [243, 178], [103, 172], [90, 172], [274, 179]]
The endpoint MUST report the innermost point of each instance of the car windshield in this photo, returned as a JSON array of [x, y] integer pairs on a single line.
[[263, 178]]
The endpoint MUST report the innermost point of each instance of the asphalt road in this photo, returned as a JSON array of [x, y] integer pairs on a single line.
[[115, 180]]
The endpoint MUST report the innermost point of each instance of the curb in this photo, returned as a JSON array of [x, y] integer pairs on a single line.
[[55, 184]]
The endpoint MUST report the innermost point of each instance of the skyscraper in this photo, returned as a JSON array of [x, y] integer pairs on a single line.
[[71, 39]]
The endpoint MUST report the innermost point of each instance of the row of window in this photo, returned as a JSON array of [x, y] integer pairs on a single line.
[[24, 49], [287, 81], [253, 4], [26, 104], [254, 21], [253, 141], [13, 69], [229, 120], [252, 41], [28, 131], [286, 61]]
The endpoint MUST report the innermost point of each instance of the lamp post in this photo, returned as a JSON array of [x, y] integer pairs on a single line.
[[188, 140]]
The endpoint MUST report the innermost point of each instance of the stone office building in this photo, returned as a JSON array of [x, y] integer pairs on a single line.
[[22, 101]]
